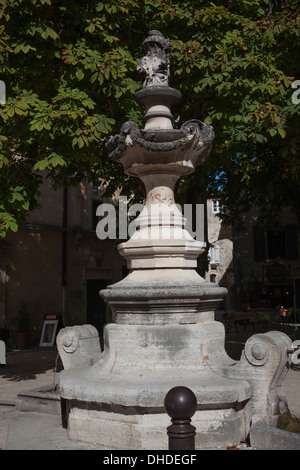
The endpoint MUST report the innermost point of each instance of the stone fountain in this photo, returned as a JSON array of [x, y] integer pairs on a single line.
[[165, 333]]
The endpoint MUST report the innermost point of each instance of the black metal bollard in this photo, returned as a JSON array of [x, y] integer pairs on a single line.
[[180, 404]]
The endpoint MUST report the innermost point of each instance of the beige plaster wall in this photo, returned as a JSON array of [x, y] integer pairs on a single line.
[[32, 271]]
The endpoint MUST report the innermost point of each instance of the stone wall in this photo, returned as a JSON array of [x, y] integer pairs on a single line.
[[32, 268], [220, 267]]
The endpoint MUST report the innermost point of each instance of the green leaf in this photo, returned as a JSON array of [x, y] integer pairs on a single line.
[[281, 132], [79, 74], [52, 33], [57, 160], [91, 28], [11, 111], [80, 142], [13, 227], [100, 126], [260, 138], [41, 165]]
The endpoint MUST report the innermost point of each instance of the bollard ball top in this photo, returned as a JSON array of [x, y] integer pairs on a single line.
[[180, 403]]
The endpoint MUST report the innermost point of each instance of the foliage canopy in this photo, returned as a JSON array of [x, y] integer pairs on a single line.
[[70, 75]]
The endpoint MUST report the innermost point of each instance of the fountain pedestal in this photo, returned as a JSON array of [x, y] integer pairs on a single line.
[[165, 334]]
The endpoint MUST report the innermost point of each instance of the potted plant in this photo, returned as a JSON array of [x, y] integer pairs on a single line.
[[22, 335]]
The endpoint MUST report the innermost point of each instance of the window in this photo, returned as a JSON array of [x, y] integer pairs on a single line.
[[96, 218], [275, 244], [98, 189], [216, 207], [214, 254]]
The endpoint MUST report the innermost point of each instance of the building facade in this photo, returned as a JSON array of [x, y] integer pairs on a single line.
[[266, 262], [220, 252], [56, 264]]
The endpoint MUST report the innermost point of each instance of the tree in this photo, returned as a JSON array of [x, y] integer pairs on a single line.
[[70, 75], [241, 61]]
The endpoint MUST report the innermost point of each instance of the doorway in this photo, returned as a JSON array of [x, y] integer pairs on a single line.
[[96, 307]]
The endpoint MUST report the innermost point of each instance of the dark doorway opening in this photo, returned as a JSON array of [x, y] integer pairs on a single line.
[[96, 307]]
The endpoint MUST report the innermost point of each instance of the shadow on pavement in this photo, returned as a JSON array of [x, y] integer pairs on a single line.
[[26, 365]]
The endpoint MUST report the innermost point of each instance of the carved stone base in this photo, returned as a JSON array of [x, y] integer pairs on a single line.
[[118, 401], [214, 428]]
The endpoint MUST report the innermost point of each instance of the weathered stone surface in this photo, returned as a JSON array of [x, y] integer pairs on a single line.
[[165, 334], [78, 346], [44, 400], [2, 353], [155, 63], [125, 390], [266, 437], [148, 432]]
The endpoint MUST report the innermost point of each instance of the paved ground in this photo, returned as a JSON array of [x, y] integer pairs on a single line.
[[28, 370], [25, 370]]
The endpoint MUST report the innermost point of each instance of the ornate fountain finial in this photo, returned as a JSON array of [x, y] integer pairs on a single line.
[[156, 61]]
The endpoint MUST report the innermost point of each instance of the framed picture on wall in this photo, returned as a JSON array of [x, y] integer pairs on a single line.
[[49, 332]]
